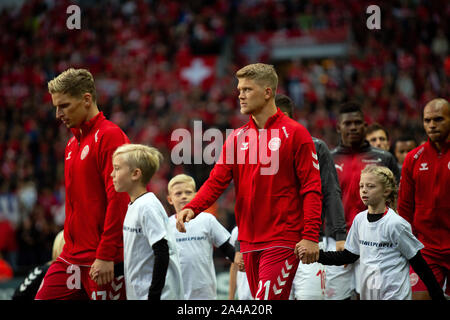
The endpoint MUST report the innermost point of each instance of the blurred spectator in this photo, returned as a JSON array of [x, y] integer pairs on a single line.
[[377, 136], [402, 146]]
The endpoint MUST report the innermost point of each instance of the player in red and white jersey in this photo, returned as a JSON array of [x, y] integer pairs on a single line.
[[424, 192], [273, 162], [94, 210]]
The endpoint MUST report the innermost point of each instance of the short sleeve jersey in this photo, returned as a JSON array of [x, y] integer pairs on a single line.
[[195, 250], [146, 223], [384, 247]]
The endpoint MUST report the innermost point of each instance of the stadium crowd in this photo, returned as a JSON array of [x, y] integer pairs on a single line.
[[133, 49]]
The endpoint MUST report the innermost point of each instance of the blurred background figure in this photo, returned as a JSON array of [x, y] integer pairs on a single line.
[[377, 136], [29, 287], [402, 146]]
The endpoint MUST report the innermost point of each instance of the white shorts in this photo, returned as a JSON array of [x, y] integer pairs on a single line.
[[309, 281], [242, 287], [339, 280]]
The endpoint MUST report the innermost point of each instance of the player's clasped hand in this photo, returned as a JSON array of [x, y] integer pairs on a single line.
[[307, 251], [102, 272], [184, 216]]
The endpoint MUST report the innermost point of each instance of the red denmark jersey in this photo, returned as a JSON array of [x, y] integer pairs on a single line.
[[94, 210], [424, 197], [277, 183]]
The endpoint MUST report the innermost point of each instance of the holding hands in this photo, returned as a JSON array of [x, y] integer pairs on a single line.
[[307, 251]]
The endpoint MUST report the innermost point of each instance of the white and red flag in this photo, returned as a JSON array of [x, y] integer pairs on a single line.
[[197, 71]]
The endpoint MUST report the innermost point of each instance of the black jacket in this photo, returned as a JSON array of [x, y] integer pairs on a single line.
[[333, 219]]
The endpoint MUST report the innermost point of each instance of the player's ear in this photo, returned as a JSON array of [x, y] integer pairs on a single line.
[[268, 93], [87, 99], [136, 174], [169, 200]]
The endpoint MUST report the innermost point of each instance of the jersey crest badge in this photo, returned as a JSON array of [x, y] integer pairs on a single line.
[[274, 144]]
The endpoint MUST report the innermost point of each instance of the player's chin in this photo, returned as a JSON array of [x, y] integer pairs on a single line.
[[245, 110], [435, 136]]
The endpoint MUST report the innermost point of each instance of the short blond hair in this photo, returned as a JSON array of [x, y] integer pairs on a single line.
[[74, 82], [181, 178], [58, 245], [387, 179], [139, 156], [264, 74]]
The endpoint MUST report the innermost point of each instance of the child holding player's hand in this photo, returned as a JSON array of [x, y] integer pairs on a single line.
[[383, 242]]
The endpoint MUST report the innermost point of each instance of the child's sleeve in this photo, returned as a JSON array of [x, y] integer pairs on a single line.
[[217, 232], [220, 237], [407, 242], [351, 252], [155, 229], [161, 250], [153, 225], [337, 258]]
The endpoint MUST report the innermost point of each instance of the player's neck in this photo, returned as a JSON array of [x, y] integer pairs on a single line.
[[93, 111], [264, 114], [376, 209], [353, 146], [439, 144], [136, 192]]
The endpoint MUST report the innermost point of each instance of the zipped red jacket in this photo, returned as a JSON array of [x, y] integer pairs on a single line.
[[277, 184], [424, 197], [94, 210]]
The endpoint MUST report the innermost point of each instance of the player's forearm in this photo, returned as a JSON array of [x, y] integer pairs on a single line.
[[111, 242], [312, 210], [210, 191]]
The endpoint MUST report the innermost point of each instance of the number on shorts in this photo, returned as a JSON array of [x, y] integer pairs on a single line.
[[321, 274], [266, 289], [98, 294]]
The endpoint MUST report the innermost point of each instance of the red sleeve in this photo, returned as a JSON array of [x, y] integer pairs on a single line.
[[307, 170], [219, 179], [111, 240], [406, 191]]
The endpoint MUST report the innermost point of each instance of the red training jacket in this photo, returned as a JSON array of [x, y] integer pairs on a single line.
[[94, 210], [277, 183], [424, 197]]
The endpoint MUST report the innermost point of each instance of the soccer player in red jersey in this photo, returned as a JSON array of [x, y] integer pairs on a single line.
[[274, 165], [424, 194], [94, 210]]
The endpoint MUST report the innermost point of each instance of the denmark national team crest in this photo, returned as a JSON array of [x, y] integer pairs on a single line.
[[85, 152], [274, 144]]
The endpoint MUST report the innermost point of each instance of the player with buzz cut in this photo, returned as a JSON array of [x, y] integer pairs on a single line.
[[195, 247], [151, 265], [277, 188]]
